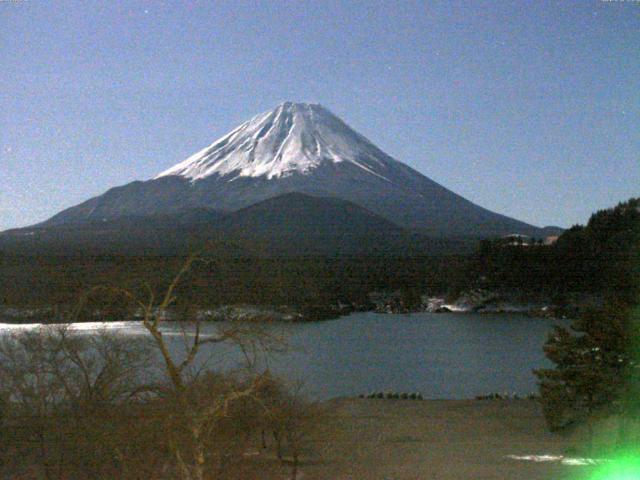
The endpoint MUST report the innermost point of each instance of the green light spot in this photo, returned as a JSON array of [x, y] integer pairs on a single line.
[[625, 467]]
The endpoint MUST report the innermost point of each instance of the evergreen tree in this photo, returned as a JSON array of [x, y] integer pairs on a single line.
[[596, 371]]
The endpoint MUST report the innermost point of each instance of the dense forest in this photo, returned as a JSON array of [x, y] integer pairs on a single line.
[[316, 282], [597, 261], [595, 377]]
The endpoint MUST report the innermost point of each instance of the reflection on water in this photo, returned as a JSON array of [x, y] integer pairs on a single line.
[[438, 355]]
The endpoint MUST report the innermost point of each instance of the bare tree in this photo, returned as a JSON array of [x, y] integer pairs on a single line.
[[196, 409], [63, 394], [94, 408], [290, 418]]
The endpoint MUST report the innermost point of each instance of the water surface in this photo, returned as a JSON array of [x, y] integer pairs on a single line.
[[439, 355]]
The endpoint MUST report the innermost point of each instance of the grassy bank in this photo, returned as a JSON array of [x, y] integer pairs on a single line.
[[437, 439]]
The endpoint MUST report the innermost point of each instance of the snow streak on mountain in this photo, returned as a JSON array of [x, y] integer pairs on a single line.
[[293, 138]]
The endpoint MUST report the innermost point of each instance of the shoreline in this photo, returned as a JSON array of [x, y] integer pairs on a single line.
[[268, 313]]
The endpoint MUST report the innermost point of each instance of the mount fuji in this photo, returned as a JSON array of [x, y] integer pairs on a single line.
[[305, 149]]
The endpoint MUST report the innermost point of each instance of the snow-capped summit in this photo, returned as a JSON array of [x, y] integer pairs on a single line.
[[292, 138], [298, 148]]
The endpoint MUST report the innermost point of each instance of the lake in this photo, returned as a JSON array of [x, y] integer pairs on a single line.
[[444, 355]]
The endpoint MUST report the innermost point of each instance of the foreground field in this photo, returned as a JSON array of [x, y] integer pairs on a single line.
[[362, 439], [444, 440]]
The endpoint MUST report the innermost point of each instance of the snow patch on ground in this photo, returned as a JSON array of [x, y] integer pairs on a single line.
[[78, 327], [577, 461]]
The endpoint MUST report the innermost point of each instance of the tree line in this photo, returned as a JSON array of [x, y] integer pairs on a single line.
[[600, 259], [596, 362]]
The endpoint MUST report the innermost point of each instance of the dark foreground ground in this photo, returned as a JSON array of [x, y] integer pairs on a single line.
[[443, 440], [371, 439]]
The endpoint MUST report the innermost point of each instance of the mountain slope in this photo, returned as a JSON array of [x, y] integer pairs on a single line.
[[298, 224], [166, 234], [299, 148], [289, 225], [299, 214]]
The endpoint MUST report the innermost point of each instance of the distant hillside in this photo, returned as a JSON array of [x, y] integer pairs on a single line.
[[298, 224], [287, 225], [297, 214], [133, 235]]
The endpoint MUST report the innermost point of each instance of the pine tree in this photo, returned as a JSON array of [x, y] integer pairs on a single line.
[[593, 365]]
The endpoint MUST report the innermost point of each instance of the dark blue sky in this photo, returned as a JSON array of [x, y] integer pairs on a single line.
[[528, 108]]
